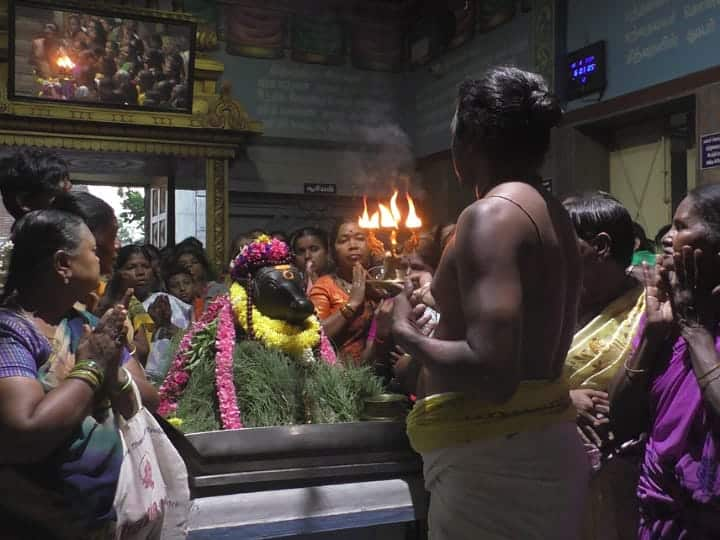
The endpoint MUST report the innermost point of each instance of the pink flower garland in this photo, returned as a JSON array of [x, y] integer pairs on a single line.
[[177, 378], [224, 383]]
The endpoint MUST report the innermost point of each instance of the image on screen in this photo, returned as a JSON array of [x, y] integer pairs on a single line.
[[91, 58]]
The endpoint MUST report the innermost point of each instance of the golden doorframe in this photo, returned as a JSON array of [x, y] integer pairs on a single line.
[[215, 130]]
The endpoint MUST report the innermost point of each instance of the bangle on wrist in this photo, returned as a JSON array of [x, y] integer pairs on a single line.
[[126, 385], [89, 372]]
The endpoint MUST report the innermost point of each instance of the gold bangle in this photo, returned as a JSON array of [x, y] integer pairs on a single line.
[[88, 364], [87, 377], [701, 377]]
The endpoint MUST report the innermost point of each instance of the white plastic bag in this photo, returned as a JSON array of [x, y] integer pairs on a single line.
[[152, 499]]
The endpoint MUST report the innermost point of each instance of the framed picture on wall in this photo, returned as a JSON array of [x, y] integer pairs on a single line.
[[72, 52]]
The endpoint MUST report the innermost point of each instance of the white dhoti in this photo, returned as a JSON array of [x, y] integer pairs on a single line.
[[525, 486]]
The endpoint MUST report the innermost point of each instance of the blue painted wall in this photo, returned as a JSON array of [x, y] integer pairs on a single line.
[[435, 86], [648, 41], [307, 101]]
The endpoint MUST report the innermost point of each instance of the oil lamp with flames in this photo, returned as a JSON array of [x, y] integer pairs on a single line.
[[401, 233], [65, 67]]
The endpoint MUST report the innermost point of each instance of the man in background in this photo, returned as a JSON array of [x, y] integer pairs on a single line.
[[30, 179]]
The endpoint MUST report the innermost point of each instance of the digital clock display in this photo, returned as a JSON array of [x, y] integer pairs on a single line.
[[586, 71]]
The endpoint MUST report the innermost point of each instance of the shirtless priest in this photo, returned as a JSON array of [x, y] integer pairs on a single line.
[[495, 427]]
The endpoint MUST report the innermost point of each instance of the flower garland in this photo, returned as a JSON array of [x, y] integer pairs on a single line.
[[177, 378], [273, 333], [224, 383], [263, 251]]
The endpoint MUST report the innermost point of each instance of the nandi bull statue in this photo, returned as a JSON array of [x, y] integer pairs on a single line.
[[260, 355]]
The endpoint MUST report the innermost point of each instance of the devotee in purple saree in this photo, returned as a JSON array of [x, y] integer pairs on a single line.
[[670, 389]]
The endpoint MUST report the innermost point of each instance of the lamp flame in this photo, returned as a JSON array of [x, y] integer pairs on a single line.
[[64, 62], [397, 216], [386, 217], [412, 221], [366, 221], [390, 216]]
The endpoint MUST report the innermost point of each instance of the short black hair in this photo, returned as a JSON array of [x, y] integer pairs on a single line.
[[96, 213], [706, 201], [600, 212], [30, 172], [317, 232], [507, 114]]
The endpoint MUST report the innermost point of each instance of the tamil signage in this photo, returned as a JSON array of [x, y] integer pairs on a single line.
[[710, 151], [324, 189]]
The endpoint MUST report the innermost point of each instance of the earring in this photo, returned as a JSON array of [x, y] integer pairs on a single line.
[[67, 280]]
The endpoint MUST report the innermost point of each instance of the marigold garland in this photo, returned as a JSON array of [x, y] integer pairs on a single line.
[[275, 334]]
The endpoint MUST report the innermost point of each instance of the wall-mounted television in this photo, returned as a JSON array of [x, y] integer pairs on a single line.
[[100, 56], [586, 71]]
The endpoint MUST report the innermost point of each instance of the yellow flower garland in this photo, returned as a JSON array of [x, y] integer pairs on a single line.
[[275, 333]]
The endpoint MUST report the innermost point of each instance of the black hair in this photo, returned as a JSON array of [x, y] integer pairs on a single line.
[[317, 232], [706, 202], [153, 251], [30, 172], [114, 287], [508, 115], [96, 213], [193, 246], [175, 269], [37, 237], [599, 212], [639, 232]]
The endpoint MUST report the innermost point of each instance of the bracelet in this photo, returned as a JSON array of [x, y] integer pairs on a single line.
[[88, 370], [127, 384], [348, 312], [132, 351], [87, 376], [634, 371], [701, 377], [88, 364]]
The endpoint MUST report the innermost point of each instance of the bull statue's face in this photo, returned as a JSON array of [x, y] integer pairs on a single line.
[[279, 293]]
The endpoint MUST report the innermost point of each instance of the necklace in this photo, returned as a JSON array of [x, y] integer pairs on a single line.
[[343, 284]]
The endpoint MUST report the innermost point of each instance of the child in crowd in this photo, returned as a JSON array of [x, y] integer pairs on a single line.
[[180, 283]]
